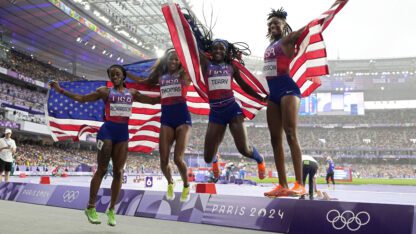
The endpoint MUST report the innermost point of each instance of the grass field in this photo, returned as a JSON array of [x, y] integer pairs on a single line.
[[354, 181]]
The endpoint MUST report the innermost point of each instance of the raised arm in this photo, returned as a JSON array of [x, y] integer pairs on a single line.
[[290, 40], [100, 93], [203, 61], [247, 88], [138, 97]]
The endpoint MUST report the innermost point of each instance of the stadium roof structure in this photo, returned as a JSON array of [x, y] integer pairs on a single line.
[[86, 36]]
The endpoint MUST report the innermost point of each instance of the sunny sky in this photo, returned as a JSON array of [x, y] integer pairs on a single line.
[[363, 29]]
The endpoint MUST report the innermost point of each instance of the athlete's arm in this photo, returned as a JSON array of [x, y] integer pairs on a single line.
[[141, 80], [247, 88], [203, 61], [289, 41], [100, 93], [186, 78], [138, 97]]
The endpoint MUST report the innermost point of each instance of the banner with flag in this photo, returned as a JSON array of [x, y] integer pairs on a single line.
[[308, 64]]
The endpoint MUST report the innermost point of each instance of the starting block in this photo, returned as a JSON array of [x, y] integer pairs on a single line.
[[206, 188]]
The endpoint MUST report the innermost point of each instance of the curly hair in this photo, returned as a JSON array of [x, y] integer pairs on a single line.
[[232, 50], [280, 14]]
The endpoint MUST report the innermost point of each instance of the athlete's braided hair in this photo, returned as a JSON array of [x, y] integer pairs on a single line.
[[280, 14]]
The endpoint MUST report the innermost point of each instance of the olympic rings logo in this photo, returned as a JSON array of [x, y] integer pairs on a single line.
[[347, 218], [70, 196]]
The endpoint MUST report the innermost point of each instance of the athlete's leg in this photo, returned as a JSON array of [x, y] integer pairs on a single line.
[[166, 138], [274, 122], [103, 158], [290, 108], [182, 134], [119, 157], [213, 138]]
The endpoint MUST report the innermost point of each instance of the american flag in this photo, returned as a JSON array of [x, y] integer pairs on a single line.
[[308, 64], [186, 46], [69, 119], [310, 61]]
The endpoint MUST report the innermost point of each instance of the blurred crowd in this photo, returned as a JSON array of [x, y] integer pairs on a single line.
[[319, 138], [37, 70], [22, 96]]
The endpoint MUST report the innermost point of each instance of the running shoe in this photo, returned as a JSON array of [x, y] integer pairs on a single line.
[[262, 169], [216, 170], [170, 194], [111, 217], [298, 189], [185, 194], [92, 216], [279, 191]]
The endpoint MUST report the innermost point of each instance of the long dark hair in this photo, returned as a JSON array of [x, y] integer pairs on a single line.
[[161, 67], [280, 14]]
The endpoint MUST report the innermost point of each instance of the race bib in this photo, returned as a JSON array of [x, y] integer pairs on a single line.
[[120, 109], [171, 91], [219, 82], [269, 68]]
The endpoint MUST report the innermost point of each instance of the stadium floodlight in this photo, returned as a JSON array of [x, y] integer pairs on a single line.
[[79, 39], [87, 7], [118, 59], [111, 55], [104, 51], [122, 61], [93, 47]]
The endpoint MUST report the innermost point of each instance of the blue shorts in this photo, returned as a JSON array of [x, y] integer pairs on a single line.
[[116, 132], [282, 86], [224, 114], [175, 115]]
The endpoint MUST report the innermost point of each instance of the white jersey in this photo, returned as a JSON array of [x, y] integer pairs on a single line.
[[7, 154], [308, 158]]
